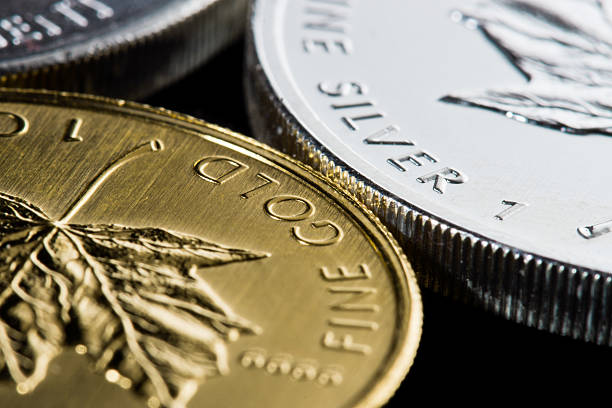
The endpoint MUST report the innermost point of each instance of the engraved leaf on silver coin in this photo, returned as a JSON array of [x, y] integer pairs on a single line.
[[132, 298], [564, 49]]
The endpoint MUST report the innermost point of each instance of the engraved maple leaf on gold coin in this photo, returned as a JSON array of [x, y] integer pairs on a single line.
[[132, 296]]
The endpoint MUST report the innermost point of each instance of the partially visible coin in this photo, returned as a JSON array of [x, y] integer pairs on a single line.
[[148, 257], [112, 47], [493, 179]]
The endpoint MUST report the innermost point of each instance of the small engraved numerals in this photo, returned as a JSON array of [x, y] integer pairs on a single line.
[[13, 124], [297, 370], [512, 207], [72, 133], [596, 230]]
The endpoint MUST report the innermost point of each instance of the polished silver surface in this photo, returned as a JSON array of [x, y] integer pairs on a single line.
[[400, 101], [113, 47], [563, 48]]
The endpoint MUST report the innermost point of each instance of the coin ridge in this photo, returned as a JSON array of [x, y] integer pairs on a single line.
[[411, 331], [213, 26], [522, 287]]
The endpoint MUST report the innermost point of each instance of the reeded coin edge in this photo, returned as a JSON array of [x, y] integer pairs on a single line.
[[522, 287], [90, 65], [408, 331]]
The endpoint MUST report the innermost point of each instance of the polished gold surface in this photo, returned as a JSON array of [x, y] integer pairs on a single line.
[[154, 260]]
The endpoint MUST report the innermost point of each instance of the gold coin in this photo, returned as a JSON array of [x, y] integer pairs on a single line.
[[149, 259]]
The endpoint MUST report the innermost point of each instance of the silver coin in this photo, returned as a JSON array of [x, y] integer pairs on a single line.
[[479, 131], [114, 47]]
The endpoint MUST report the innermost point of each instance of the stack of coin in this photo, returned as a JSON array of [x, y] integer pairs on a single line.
[[157, 260], [111, 47], [506, 211], [151, 259]]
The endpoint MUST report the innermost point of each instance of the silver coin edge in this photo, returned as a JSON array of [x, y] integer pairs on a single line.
[[523, 287], [212, 24]]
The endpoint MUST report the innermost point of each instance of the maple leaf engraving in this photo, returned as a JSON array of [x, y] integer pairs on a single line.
[[563, 48], [131, 297]]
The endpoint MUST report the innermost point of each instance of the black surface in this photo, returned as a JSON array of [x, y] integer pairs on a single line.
[[465, 355], [213, 93]]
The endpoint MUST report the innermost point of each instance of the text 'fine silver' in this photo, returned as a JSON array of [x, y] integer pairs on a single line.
[[479, 131]]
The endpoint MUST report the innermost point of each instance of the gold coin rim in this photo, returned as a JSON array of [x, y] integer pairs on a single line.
[[407, 334]]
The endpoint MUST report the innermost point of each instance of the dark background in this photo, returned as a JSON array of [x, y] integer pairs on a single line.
[[465, 355]]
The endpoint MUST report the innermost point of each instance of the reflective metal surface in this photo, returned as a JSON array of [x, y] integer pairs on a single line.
[[509, 215], [563, 48], [465, 353], [111, 47], [153, 259]]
